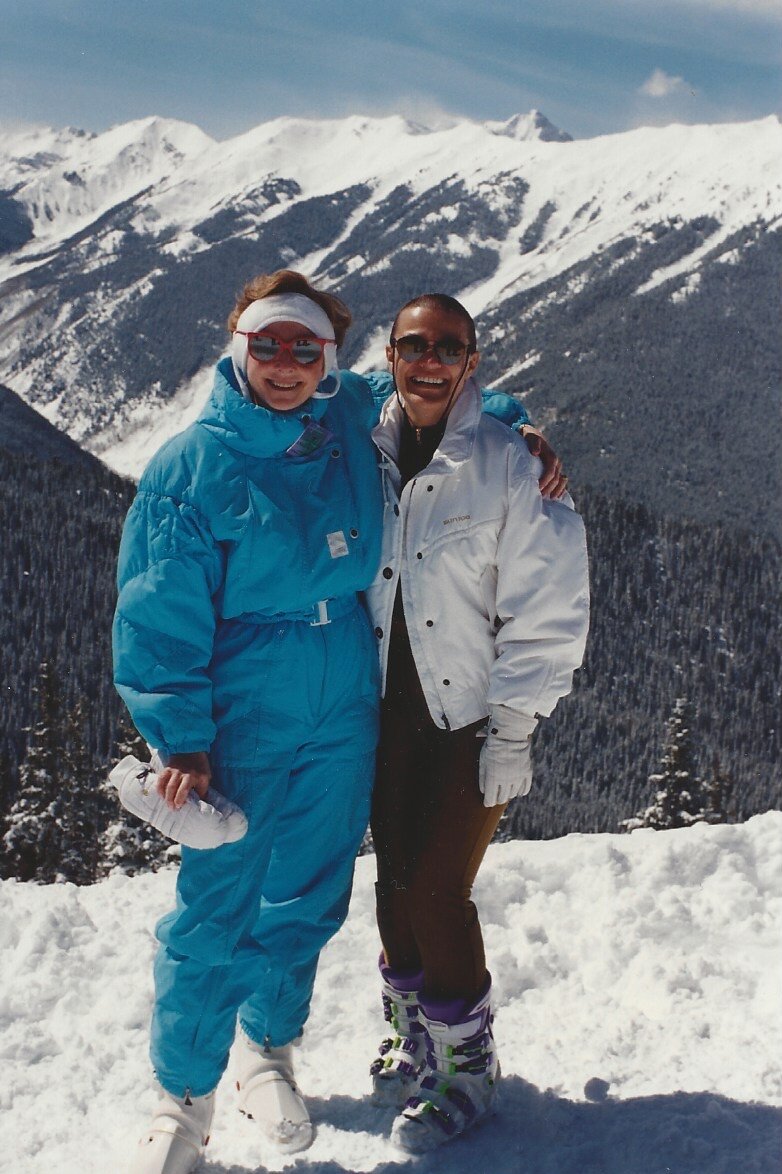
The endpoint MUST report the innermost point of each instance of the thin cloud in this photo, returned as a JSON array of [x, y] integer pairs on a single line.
[[660, 84], [765, 9]]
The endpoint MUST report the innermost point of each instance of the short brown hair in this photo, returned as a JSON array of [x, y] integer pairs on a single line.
[[289, 281]]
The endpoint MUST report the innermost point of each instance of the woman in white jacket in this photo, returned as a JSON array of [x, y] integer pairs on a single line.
[[480, 609]]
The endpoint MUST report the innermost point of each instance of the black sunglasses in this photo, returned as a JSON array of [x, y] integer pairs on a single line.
[[449, 351]]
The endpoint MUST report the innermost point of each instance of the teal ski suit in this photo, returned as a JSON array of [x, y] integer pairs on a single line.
[[239, 631]]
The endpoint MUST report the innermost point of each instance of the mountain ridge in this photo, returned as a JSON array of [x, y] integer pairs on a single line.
[[576, 257], [25, 431]]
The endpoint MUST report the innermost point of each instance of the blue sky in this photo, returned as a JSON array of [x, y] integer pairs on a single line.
[[592, 66]]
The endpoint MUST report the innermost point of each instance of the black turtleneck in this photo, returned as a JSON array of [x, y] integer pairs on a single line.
[[417, 447]]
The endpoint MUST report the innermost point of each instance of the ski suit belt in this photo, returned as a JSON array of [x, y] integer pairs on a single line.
[[320, 613]]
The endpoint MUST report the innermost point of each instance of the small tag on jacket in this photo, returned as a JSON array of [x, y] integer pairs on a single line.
[[312, 438], [338, 547]]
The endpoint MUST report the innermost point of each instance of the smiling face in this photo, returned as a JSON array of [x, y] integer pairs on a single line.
[[427, 385], [282, 383]]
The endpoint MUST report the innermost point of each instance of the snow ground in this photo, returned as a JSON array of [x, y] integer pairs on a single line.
[[639, 1017]]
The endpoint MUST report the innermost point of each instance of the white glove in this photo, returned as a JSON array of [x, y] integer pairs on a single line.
[[199, 823], [504, 768]]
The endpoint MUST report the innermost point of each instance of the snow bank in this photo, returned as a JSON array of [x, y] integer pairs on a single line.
[[638, 1017]]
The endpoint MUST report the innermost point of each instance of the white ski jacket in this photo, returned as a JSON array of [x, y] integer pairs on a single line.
[[494, 577]]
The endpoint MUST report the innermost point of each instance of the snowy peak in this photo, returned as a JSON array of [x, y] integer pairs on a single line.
[[168, 136], [25, 152], [61, 181], [526, 128]]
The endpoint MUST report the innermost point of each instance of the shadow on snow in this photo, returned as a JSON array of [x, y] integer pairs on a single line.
[[540, 1133]]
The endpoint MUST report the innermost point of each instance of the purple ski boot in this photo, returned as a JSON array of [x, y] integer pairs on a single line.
[[400, 1057], [458, 1081]]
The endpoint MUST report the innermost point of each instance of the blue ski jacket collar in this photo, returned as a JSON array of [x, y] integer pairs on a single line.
[[252, 428]]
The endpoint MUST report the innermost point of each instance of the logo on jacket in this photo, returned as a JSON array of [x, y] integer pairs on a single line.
[[459, 518]]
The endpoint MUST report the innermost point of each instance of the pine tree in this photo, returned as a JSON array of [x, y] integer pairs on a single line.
[[52, 826], [127, 844], [678, 800], [33, 835], [84, 809], [719, 801], [5, 781]]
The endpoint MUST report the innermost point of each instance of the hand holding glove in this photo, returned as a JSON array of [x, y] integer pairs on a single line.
[[198, 823], [505, 769]]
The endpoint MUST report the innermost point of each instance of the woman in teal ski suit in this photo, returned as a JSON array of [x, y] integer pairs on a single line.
[[239, 634]]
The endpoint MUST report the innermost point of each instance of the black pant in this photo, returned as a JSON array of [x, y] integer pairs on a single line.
[[431, 832]]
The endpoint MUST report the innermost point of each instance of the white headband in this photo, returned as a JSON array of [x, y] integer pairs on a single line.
[[286, 308]]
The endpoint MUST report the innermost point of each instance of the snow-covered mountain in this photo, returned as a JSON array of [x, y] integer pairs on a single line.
[[529, 126], [638, 1017], [624, 285], [34, 149], [61, 181]]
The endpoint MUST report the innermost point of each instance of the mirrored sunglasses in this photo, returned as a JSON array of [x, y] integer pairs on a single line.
[[449, 351], [265, 347]]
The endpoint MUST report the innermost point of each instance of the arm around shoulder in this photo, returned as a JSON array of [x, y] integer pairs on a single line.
[[504, 408]]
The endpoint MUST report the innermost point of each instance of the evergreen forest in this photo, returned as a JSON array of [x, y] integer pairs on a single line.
[[680, 611]]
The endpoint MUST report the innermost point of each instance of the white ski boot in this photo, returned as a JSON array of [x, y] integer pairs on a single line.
[[268, 1094], [458, 1080], [176, 1137], [400, 1057]]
